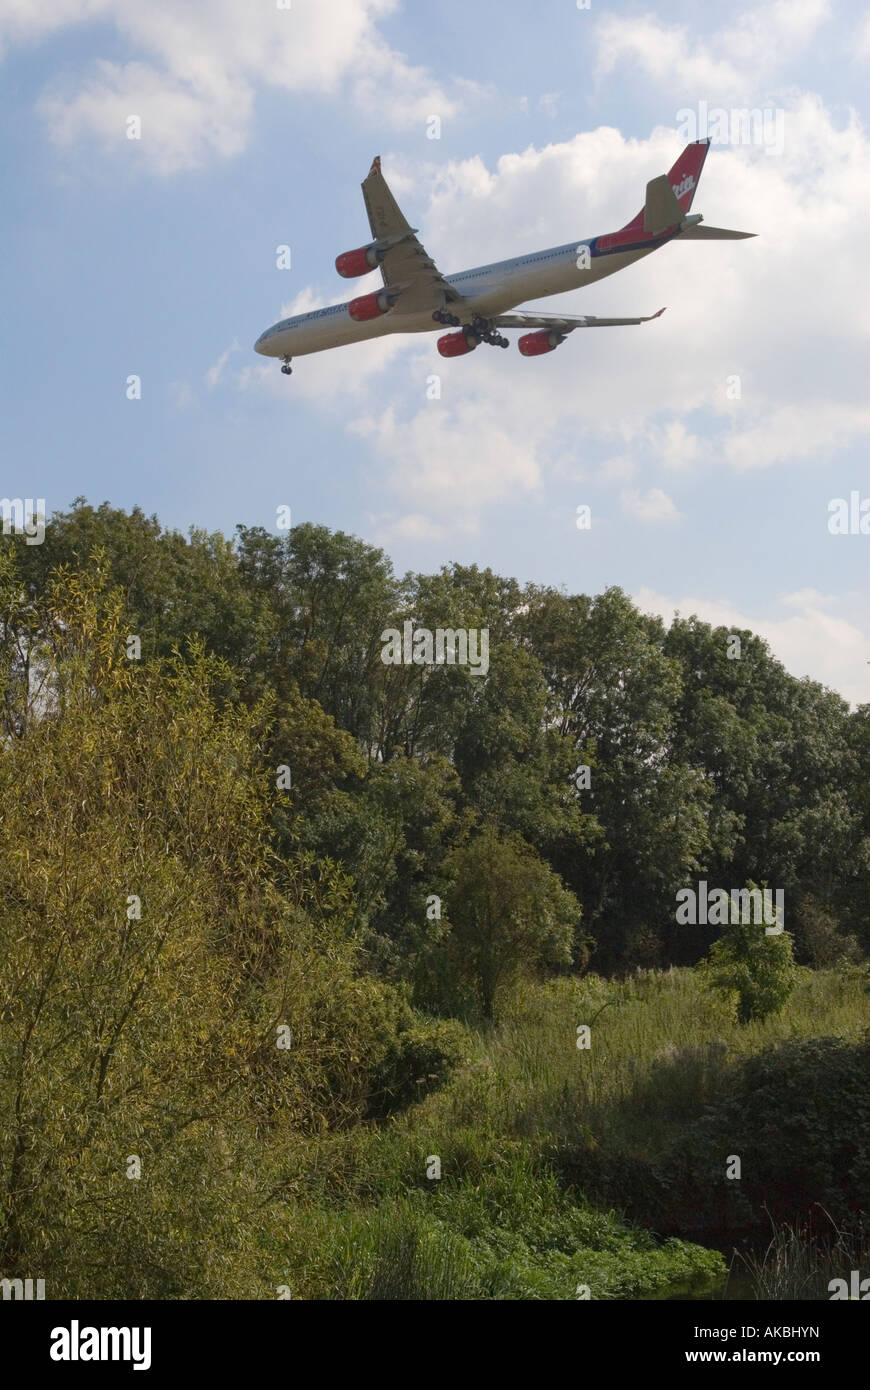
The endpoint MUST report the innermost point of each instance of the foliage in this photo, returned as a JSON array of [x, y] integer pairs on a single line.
[[798, 1118], [508, 912], [756, 966], [150, 959], [167, 906]]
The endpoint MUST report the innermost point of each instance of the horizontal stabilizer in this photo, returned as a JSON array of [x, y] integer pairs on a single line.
[[662, 208], [701, 232]]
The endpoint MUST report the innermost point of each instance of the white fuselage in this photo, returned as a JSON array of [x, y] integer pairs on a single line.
[[486, 291]]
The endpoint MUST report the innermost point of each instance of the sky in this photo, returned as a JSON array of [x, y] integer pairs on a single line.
[[710, 445]]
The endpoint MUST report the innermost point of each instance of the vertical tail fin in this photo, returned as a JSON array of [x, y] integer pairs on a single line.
[[681, 181], [684, 175]]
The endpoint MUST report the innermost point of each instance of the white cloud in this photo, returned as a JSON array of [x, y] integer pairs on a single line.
[[805, 430], [729, 67], [452, 462], [675, 446], [829, 646], [416, 527], [194, 70], [618, 469], [215, 371], [182, 123], [652, 506]]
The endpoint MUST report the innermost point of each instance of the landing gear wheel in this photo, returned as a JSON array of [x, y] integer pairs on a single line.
[[285, 366]]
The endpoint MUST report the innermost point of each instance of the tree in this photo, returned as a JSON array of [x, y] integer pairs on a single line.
[[508, 912], [757, 967], [613, 695], [176, 1004]]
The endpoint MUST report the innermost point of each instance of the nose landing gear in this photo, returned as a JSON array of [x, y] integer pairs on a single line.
[[285, 366]]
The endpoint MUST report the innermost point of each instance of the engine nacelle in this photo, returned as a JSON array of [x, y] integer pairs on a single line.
[[457, 344], [369, 306], [352, 264], [533, 344]]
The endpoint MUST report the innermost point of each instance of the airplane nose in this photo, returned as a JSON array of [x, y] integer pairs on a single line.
[[258, 345]]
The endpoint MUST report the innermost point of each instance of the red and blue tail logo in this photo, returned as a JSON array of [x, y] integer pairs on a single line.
[[686, 172]]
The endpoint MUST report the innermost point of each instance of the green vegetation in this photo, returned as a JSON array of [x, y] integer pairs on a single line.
[[540, 1142], [284, 928], [757, 967], [800, 1264]]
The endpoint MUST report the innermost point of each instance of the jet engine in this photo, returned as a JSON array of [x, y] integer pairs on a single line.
[[369, 306], [352, 264], [533, 344], [457, 344]]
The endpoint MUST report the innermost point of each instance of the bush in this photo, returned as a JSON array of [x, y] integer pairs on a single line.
[[818, 938], [756, 967], [153, 951], [418, 1056], [798, 1118]]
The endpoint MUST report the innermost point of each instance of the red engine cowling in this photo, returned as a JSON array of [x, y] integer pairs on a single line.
[[533, 344], [351, 264], [457, 344], [369, 306]]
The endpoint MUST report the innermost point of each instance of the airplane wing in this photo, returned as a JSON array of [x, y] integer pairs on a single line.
[[405, 265], [564, 323]]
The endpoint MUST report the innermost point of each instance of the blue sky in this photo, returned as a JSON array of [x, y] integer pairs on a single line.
[[158, 257]]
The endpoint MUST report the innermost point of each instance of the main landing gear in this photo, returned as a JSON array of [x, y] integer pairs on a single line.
[[482, 328], [285, 366], [486, 333]]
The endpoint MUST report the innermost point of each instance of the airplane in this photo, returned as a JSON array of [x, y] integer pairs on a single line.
[[415, 295]]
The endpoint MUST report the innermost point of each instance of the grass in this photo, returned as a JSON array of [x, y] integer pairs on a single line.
[[365, 1220], [799, 1265]]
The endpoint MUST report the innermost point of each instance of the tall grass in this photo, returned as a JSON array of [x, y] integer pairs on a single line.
[[368, 1223], [798, 1264], [663, 1048]]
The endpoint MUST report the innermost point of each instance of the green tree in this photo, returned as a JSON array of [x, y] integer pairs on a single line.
[[508, 913], [153, 954], [757, 967], [613, 695]]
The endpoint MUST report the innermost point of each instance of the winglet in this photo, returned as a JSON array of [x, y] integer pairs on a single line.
[[659, 314], [376, 165]]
